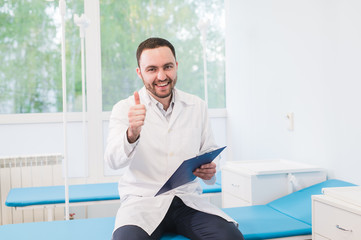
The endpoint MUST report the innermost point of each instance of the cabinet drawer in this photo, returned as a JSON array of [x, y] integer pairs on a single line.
[[336, 223], [229, 201], [319, 237], [237, 185]]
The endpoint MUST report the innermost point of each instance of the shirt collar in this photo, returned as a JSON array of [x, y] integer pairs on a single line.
[[160, 105]]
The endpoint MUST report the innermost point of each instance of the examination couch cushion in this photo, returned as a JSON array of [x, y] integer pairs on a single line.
[[89, 229], [298, 204], [286, 216], [262, 221]]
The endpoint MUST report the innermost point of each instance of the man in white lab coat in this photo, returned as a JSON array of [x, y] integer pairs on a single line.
[[150, 134]]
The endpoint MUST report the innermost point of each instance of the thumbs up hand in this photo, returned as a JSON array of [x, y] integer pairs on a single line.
[[136, 117]]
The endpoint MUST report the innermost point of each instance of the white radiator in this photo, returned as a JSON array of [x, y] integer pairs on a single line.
[[29, 171]]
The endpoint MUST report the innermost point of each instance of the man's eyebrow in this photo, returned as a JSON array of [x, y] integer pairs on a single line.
[[153, 66], [150, 66]]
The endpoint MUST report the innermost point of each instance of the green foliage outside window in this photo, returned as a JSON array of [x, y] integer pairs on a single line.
[[126, 23], [30, 50], [30, 56]]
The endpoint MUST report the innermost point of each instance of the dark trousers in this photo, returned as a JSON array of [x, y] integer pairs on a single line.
[[186, 221]]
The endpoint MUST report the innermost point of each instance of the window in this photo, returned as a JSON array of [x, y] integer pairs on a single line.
[[30, 69], [30, 55], [126, 23]]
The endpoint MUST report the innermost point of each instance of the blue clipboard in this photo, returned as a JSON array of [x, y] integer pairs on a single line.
[[184, 172]]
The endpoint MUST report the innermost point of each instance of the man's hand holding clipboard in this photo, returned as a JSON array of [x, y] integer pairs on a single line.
[[186, 172]]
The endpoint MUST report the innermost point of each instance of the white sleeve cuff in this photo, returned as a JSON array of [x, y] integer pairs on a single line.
[[129, 147], [210, 181]]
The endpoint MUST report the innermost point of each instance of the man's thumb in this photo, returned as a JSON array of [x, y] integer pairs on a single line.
[[136, 98]]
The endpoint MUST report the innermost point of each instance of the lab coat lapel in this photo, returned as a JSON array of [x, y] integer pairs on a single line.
[[177, 110], [159, 113]]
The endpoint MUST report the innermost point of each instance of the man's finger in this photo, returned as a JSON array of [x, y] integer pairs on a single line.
[[205, 170], [136, 98], [208, 165]]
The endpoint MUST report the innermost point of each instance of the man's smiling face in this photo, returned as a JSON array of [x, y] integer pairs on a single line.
[[158, 70]]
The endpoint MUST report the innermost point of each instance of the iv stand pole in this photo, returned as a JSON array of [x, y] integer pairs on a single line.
[[62, 9]]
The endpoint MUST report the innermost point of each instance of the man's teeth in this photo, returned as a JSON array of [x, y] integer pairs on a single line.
[[162, 85]]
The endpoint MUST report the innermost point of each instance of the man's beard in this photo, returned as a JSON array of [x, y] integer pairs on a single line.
[[152, 88]]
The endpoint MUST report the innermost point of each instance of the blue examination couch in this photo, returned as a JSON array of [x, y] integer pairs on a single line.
[[284, 217], [287, 216]]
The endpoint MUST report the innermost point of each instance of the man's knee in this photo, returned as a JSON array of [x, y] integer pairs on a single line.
[[207, 226], [233, 233], [130, 232]]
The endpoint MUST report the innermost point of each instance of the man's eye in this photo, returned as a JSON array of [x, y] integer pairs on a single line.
[[151, 69], [169, 67]]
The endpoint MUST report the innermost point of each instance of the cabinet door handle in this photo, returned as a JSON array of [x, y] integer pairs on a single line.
[[343, 229]]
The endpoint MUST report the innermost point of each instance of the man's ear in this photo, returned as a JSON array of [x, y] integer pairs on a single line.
[[139, 73]]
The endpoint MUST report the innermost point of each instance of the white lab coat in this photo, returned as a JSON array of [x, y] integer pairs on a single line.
[[161, 148]]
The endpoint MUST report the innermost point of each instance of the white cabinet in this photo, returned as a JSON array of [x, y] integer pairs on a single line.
[[246, 183], [337, 214]]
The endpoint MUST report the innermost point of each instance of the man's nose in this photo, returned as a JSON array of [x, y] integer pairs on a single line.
[[161, 75]]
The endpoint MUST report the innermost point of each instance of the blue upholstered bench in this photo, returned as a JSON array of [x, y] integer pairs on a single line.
[[287, 216], [29, 196], [82, 193]]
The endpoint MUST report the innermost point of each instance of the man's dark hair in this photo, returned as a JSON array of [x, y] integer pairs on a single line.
[[152, 43]]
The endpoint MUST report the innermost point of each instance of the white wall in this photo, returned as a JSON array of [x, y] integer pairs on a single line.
[[45, 138], [299, 56]]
